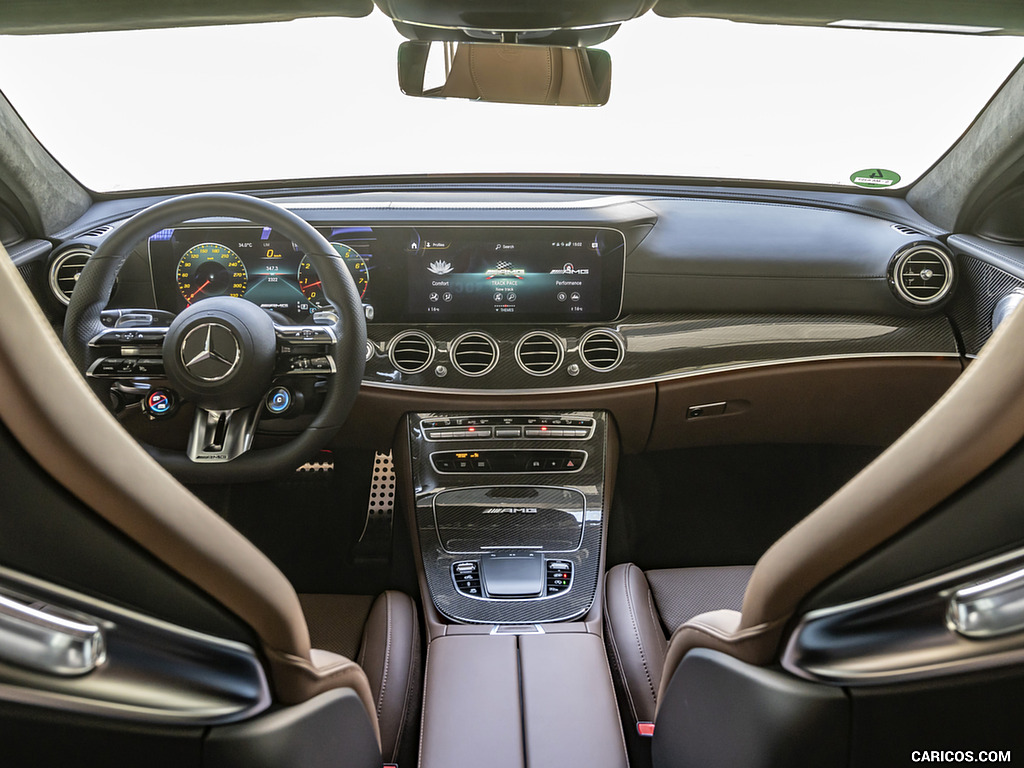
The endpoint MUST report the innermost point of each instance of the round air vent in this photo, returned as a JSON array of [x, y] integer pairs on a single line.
[[921, 274], [65, 270], [601, 350], [474, 354], [539, 353], [411, 351]]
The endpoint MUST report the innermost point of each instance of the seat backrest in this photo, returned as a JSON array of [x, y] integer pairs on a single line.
[[58, 420], [977, 421]]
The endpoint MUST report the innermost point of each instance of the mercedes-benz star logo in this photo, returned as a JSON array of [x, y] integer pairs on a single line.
[[210, 352]]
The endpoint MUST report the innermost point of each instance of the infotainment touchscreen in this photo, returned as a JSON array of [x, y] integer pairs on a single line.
[[513, 274]]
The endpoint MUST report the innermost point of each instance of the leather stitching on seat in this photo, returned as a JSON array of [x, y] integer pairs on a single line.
[[409, 689], [387, 655], [653, 610], [636, 634], [622, 734], [618, 664], [423, 709]]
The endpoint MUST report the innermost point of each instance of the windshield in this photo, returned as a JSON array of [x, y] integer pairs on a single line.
[[319, 98]]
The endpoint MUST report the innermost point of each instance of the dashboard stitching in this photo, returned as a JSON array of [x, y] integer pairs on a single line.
[[643, 194]]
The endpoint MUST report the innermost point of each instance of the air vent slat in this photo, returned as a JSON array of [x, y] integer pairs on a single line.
[[64, 272], [910, 231], [99, 231], [539, 353], [411, 351], [922, 275], [601, 350], [474, 354]]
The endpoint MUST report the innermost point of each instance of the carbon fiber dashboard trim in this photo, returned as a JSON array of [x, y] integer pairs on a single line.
[[437, 562], [660, 347], [982, 285]]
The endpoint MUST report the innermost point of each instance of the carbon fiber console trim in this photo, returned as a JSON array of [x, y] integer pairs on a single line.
[[437, 562]]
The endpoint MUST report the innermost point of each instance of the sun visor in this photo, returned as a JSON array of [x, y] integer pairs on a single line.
[[520, 15], [33, 17], [993, 17]]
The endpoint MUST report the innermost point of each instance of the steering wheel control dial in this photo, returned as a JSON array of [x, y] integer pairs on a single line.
[[211, 269], [160, 403]]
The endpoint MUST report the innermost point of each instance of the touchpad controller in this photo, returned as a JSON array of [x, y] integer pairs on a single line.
[[518, 575]]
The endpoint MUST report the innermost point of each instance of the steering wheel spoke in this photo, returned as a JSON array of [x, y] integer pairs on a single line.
[[221, 436]]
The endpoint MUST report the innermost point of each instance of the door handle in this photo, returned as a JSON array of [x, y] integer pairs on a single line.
[[46, 640], [990, 608]]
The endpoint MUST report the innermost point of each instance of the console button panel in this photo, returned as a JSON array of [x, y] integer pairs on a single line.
[[508, 428], [558, 575], [466, 576], [506, 461]]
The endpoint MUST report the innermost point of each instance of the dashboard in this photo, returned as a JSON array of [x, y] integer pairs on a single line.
[[739, 308], [595, 298]]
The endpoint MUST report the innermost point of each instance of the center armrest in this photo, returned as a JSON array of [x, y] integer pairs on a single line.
[[511, 701]]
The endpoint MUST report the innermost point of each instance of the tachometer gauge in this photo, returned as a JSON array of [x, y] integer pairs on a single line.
[[309, 281], [210, 269]]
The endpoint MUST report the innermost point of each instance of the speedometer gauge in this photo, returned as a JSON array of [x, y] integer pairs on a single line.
[[309, 281], [210, 269]]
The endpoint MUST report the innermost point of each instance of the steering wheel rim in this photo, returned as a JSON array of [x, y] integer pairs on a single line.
[[93, 290]]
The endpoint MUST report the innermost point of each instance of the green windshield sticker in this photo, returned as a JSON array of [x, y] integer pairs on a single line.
[[875, 177]]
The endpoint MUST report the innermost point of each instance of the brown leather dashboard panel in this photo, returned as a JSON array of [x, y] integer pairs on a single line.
[[853, 402]]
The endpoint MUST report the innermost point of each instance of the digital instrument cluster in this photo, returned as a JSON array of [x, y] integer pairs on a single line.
[[432, 274]]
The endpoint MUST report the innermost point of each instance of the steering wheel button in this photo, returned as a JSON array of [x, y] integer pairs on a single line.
[[279, 400], [149, 366]]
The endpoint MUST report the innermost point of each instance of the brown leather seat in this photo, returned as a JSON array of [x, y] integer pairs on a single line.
[[387, 649], [80, 445], [643, 609], [743, 617]]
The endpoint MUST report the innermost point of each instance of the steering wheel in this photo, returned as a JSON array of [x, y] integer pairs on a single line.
[[223, 354]]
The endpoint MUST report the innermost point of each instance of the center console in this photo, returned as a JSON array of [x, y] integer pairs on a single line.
[[509, 513], [509, 510]]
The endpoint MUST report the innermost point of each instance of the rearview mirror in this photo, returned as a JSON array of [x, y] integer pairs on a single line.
[[508, 74]]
